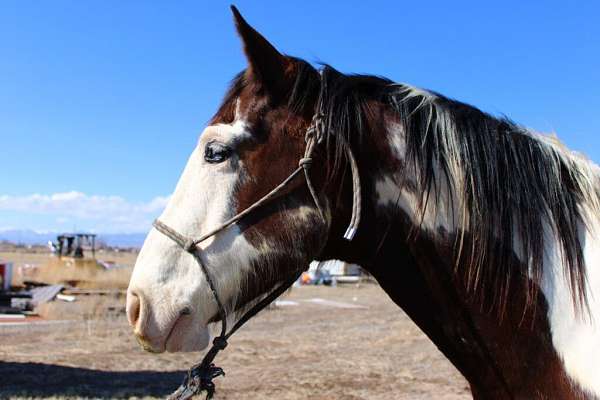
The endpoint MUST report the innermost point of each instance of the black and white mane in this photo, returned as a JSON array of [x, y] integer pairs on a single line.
[[505, 184]]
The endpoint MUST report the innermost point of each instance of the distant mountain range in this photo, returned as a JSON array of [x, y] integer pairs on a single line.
[[25, 236]]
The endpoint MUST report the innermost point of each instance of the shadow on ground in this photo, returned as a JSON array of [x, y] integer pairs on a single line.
[[46, 380]]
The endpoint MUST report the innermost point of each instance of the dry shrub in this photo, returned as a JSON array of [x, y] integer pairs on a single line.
[[82, 273], [84, 308]]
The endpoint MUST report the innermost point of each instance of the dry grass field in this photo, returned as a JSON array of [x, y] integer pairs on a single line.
[[312, 349], [38, 264], [348, 342]]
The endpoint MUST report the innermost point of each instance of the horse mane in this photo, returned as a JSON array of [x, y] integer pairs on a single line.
[[505, 182]]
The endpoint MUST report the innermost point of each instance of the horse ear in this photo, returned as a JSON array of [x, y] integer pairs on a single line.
[[266, 64]]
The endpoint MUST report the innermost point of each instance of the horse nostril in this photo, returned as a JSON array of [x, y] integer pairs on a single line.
[[133, 308], [185, 311]]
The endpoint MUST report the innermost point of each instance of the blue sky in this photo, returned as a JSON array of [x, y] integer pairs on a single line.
[[101, 102]]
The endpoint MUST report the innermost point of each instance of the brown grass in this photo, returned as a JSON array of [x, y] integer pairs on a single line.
[[308, 351], [299, 352], [84, 308], [84, 273]]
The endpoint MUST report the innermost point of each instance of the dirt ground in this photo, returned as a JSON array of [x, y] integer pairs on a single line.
[[362, 347]]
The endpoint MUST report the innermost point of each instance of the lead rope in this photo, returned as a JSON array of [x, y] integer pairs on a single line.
[[199, 377]]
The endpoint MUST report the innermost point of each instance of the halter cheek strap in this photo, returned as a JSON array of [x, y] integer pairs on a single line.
[[199, 377]]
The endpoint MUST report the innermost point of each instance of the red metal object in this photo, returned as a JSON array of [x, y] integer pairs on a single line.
[[5, 275]]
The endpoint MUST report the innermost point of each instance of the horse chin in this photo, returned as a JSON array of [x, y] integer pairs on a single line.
[[188, 340]]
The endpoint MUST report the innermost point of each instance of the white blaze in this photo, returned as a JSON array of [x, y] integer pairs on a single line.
[[167, 277]]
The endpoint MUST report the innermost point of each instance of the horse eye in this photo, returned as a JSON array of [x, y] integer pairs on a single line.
[[215, 152]]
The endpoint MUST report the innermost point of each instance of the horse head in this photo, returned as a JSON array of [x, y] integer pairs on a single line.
[[252, 143]]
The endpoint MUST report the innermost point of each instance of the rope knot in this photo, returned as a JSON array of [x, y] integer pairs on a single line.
[[305, 162], [316, 129], [190, 246], [220, 343]]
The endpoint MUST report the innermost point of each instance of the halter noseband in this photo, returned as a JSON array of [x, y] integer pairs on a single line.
[[199, 377]]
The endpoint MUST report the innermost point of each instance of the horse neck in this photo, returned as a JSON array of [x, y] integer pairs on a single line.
[[502, 356]]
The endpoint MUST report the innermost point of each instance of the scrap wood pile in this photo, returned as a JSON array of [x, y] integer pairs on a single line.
[[20, 303], [46, 287]]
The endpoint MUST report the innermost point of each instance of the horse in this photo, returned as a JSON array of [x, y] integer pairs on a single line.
[[484, 232]]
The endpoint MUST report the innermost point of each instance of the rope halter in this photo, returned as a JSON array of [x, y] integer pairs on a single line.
[[199, 377]]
